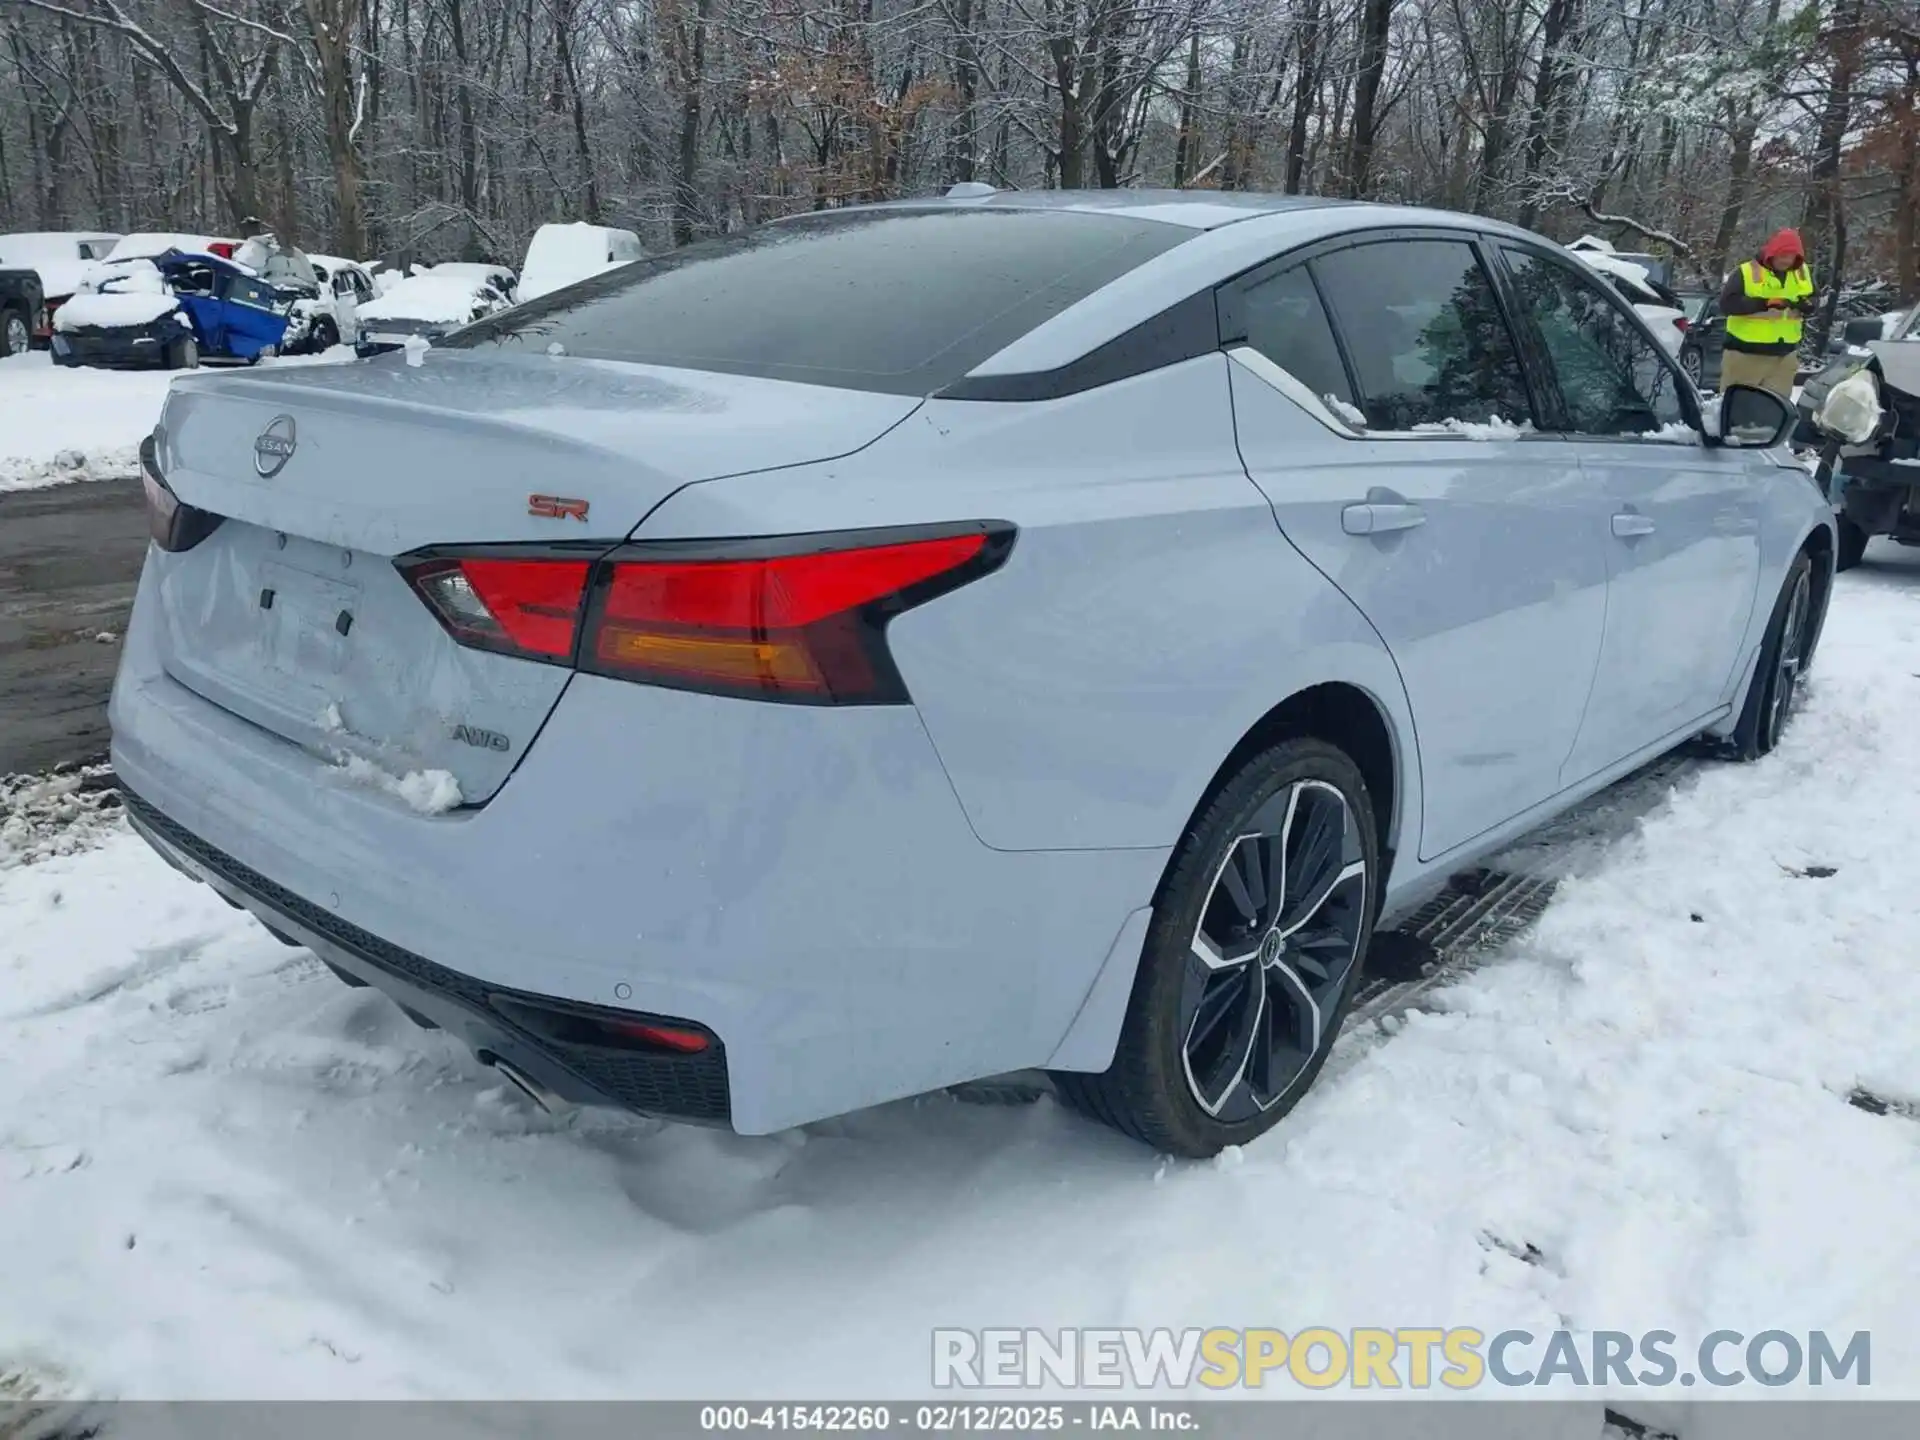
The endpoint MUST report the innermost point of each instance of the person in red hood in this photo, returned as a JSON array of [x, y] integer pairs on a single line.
[[1764, 302]]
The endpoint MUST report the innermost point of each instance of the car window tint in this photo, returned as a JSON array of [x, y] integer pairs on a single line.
[[901, 301], [1287, 323], [1424, 331], [1613, 378]]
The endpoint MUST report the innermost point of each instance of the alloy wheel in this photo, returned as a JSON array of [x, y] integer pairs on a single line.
[[1276, 942], [17, 337], [1791, 658]]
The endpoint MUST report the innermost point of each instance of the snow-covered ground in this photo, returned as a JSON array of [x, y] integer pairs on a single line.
[[223, 1173], [59, 424]]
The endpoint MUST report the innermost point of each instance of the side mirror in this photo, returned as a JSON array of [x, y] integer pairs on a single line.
[[1754, 419], [1861, 332]]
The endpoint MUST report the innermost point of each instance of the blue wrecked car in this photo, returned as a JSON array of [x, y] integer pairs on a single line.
[[170, 312]]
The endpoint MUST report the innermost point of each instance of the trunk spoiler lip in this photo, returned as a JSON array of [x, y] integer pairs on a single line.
[[292, 388]]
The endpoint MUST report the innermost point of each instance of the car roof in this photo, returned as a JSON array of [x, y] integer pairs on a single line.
[[1197, 210], [1247, 230]]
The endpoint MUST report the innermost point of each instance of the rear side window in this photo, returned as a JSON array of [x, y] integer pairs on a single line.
[[249, 292], [900, 301], [1287, 323], [1612, 377], [1429, 344]]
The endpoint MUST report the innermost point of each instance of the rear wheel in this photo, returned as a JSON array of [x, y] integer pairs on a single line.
[[1784, 657], [1853, 544], [1256, 947], [1696, 369], [184, 354], [15, 337]]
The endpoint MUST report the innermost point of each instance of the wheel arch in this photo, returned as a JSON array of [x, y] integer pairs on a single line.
[[1818, 545], [1344, 715]]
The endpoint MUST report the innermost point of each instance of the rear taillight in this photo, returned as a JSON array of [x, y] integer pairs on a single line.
[[173, 524], [799, 619], [519, 606], [1682, 324]]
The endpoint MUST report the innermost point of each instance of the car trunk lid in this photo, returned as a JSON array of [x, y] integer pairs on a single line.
[[292, 613]]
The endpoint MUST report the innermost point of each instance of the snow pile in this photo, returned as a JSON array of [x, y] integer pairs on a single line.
[[1492, 428], [1352, 414], [429, 792], [113, 462], [59, 424], [59, 814], [432, 298], [1674, 432], [113, 310], [117, 296]]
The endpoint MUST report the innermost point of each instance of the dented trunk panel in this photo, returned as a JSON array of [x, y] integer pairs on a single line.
[[331, 650]]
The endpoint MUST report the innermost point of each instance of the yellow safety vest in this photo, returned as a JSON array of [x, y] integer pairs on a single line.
[[1770, 327]]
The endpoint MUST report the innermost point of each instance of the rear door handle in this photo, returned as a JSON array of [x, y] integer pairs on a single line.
[[1628, 524], [1378, 519]]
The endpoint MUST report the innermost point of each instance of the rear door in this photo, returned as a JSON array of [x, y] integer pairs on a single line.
[[1468, 538], [249, 316], [1683, 528]]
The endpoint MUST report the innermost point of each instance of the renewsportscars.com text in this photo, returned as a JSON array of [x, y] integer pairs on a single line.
[[1413, 1358]]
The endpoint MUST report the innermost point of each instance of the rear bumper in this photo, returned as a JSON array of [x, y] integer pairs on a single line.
[[800, 882], [686, 1087]]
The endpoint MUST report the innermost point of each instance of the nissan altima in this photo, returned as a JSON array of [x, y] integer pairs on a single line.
[[903, 645]]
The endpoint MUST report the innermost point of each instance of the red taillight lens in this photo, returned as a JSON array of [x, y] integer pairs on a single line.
[[518, 606], [1682, 324], [798, 626], [800, 619]]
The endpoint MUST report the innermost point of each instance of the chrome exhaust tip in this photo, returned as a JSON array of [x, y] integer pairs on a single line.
[[528, 1086]]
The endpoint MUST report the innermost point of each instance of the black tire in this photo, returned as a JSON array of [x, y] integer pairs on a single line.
[[184, 354], [325, 334], [1286, 995], [1785, 655], [16, 335], [1853, 544]]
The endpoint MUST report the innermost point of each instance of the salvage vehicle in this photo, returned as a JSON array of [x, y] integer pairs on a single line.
[[1873, 480], [332, 315], [22, 309], [171, 311], [427, 305], [61, 258], [561, 254], [1640, 279], [905, 644]]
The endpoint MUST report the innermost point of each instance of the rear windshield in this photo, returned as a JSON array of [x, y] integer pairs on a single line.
[[899, 301]]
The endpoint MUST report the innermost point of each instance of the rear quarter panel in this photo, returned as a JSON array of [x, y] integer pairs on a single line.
[[1150, 615]]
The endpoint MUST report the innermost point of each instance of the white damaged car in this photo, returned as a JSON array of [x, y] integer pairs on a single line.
[[428, 304]]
